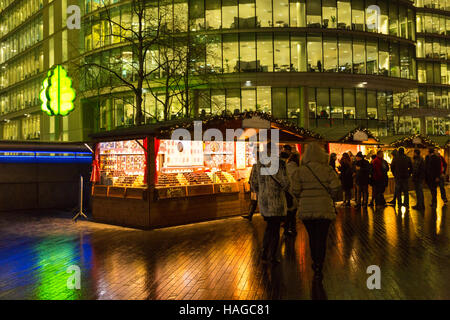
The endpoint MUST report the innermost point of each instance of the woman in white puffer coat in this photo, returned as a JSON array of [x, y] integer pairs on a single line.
[[314, 183]]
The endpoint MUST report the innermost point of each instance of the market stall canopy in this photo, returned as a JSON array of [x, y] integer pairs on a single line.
[[347, 134], [250, 122], [441, 141], [411, 141]]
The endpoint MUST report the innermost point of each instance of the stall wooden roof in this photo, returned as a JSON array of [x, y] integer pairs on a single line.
[[289, 131], [344, 134], [406, 141]]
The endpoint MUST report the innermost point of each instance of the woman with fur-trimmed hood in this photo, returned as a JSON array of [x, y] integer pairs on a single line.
[[315, 183], [271, 201]]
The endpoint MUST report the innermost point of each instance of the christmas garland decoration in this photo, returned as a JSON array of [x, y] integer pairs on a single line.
[[349, 136], [407, 142], [188, 123]]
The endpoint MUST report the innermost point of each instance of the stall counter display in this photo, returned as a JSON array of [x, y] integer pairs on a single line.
[[122, 164], [197, 168]]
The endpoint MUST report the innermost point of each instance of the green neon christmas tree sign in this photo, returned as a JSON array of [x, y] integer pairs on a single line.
[[57, 94]]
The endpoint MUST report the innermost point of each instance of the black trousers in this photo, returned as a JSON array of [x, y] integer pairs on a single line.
[[290, 220], [271, 237], [379, 188], [402, 189], [362, 194], [317, 232], [433, 189]]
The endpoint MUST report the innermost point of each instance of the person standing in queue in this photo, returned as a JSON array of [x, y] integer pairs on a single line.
[[396, 186], [401, 167], [442, 176], [290, 226], [362, 175], [433, 173], [316, 184], [272, 203], [333, 158], [372, 200], [346, 176], [379, 179], [418, 175]]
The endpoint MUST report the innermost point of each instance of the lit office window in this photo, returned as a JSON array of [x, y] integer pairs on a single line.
[[372, 57], [264, 99], [213, 14], [233, 100], [383, 55], [383, 20], [294, 105], [197, 15], [247, 61], [281, 13], [279, 103], [298, 53], [230, 53], [314, 53], [329, 13], [281, 53], [345, 55], [248, 100], [359, 56], [330, 52], [217, 101], [344, 14], [247, 17], [361, 104], [394, 60], [393, 19], [349, 104], [358, 20], [297, 13], [265, 52], [214, 54], [229, 14], [313, 14], [264, 13], [336, 103]]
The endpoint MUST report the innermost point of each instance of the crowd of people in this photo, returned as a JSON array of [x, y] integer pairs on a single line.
[[309, 187]]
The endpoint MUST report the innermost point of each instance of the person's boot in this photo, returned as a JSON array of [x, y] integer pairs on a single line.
[[247, 216]]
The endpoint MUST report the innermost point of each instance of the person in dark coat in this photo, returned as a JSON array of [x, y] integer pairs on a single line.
[[401, 167], [433, 172], [442, 176], [396, 187], [372, 201], [346, 176], [333, 159], [418, 175], [379, 178], [362, 176]]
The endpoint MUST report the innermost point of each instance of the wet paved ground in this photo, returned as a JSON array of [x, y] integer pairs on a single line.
[[220, 259]]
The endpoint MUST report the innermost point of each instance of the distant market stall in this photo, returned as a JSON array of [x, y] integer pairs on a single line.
[[143, 178], [348, 139]]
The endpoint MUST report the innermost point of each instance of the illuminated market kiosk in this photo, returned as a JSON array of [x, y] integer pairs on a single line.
[[142, 178], [416, 141]]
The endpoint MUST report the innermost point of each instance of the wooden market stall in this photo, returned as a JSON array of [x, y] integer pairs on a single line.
[[149, 177], [410, 143]]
